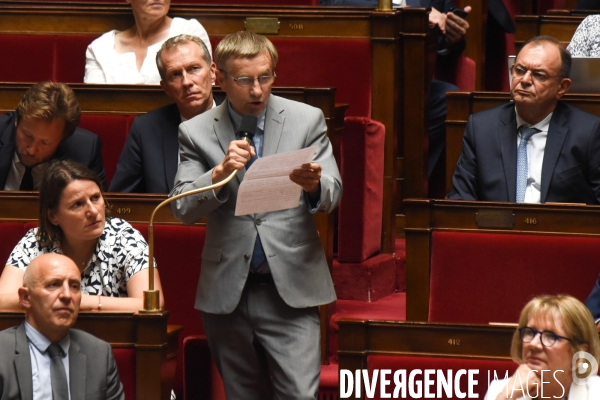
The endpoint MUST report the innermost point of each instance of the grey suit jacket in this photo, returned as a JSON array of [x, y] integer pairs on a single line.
[[93, 373], [289, 237]]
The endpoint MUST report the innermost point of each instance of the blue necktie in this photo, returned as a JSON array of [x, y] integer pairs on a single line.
[[522, 165], [258, 255]]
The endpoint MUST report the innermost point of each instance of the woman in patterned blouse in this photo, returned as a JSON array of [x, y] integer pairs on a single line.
[[109, 252]]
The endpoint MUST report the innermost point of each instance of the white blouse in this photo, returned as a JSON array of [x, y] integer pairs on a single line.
[[104, 65]]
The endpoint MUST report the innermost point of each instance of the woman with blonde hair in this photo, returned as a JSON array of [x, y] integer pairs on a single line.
[[553, 333]]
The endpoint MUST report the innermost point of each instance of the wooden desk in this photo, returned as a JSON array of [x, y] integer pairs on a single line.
[[147, 334], [423, 217], [561, 27]]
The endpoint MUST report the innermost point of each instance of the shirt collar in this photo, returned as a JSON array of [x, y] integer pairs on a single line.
[[183, 119], [236, 118], [543, 125], [41, 342]]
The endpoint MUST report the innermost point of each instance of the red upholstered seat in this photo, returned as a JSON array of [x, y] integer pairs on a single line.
[[410, 363], [360, 210], [125, 359], [35, 60], [69, 56], [11, 233], [113, 131], [489, 277]]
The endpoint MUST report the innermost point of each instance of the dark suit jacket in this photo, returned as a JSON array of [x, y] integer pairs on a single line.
[[83, 146], [593, 301], [487, 168], [148, 162], [93, 373]]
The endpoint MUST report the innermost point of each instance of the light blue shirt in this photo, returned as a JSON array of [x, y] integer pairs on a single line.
[[40, 362]]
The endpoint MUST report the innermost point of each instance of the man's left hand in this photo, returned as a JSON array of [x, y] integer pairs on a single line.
[[307, 176], [456, 27]]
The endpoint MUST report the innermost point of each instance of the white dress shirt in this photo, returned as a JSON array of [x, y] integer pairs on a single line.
[[40, 362], [535, 156], [17, 170]]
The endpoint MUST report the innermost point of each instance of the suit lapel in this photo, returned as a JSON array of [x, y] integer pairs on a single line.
[[23, 364], [170, 144], [274, 120], [7, 148], [507, 135], [223, 129], [77, 371], [557, 134]]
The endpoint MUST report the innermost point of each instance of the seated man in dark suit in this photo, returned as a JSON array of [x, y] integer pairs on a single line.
[[593, 303], [44, 127], [43, 358], [537, 149], [149, 159]]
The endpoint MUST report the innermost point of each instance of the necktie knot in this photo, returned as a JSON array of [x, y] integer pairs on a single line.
[[527, 133], [55, 350]]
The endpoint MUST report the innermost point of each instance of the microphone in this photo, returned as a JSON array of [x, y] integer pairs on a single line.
[[247, 127]]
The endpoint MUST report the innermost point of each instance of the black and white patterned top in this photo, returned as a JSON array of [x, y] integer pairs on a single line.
[[121, 252], [586, 40]]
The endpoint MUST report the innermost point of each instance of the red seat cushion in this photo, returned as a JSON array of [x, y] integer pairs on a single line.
[[502, 369], [27, 58], [113, 131], [489, 277], [125, 359], [69, 56], [361, 208], [11, 233]]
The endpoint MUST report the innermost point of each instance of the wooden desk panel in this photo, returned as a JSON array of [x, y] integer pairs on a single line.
[[425, 216], [561, 27], [362, 338]]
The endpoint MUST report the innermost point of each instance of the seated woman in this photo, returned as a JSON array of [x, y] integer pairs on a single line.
[[586, 40], [129, 56], [111, 255], [551, 330]]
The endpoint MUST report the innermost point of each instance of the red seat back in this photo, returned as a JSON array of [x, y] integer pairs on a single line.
[[125, 359], [489, 277], [29, 58]]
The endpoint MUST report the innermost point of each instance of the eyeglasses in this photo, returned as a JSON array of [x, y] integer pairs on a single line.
[[247, 81], [548, 338], [538, 76]]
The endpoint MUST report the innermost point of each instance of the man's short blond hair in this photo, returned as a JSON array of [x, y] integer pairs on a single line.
[[176, 41], [244, 44], [48, 101]]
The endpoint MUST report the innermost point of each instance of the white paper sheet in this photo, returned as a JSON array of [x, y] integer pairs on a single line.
[[267, 185]]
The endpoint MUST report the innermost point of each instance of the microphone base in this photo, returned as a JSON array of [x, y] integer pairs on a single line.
[[151, 301]]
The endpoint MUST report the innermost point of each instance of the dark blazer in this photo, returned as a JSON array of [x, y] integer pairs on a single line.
[[93, 374], [487, 168], [83, 146], [148, 162], [593, 301]]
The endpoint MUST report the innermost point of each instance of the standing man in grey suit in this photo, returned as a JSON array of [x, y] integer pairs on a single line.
[[43, 358], [263, 275], [149, 159]]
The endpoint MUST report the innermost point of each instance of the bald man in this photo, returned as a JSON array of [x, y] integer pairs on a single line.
[[43, 358]]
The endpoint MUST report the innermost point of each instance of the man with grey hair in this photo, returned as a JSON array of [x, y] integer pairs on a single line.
[[43, 358], [263, 275], [149, 159]]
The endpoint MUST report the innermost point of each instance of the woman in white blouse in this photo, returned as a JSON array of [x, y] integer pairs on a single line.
[[129, 56]]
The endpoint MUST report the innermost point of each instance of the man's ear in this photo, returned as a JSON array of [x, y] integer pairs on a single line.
[[24, 299], [213, 73], [565, 85]]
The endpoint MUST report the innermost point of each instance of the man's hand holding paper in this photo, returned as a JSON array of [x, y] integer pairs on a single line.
[[275, 182]]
